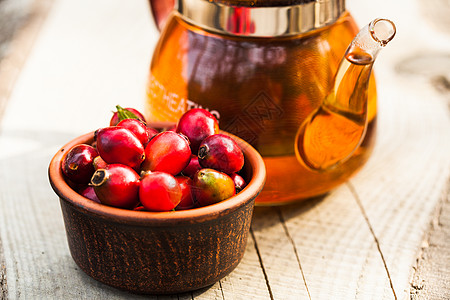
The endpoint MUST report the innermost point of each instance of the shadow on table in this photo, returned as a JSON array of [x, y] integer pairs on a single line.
[[267, 216], [95, 290]]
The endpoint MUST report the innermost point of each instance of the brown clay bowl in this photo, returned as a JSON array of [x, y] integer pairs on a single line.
[[158, 252]]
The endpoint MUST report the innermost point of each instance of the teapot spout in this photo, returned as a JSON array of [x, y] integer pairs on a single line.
[[335, 130]]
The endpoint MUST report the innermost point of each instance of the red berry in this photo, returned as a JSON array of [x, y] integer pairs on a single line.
[[119, 145], [187, 196], [197, 124], [239, 182], [211, 186], [139, 207], [159, 191], [77, 163], [192, 167], [125, 113], [117, 185], [152, 132], [222, 153], [88, 192], [140, 130], [167, 152]]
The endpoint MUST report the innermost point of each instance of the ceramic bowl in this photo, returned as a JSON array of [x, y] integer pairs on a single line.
[[158, 252]]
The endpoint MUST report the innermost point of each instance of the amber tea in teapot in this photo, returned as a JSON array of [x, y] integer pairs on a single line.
[[282, 77]]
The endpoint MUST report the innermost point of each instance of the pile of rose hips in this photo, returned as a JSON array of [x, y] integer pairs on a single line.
[[131, 165]]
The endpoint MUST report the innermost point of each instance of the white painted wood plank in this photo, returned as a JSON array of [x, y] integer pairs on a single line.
[[399, 203], [337, 251], [401, 185], [212, 292]]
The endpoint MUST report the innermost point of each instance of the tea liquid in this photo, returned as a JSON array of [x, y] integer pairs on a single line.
[[331, 134], [261, 89]]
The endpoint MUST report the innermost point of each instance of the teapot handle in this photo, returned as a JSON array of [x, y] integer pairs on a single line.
[[161, 10]]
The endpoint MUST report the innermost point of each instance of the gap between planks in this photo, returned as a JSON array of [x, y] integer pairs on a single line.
[[291, 240], [261, 263], [366, 218], [278, 212]]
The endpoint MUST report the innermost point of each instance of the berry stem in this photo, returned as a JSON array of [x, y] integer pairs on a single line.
[[124, 113]]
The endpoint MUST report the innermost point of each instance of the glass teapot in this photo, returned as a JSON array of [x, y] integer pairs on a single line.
[[281, 75]]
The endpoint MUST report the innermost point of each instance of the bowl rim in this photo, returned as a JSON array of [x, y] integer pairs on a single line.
[[145, 218]]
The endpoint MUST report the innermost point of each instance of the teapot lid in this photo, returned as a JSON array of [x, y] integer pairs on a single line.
[[261, 18]]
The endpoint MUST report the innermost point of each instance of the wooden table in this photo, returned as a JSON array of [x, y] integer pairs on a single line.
[[385, 234]]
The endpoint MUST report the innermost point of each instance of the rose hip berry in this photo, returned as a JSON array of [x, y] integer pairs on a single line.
[[159, 191], [187, 197], [125, 113], [222, 153], [192, 167], [140, 130], [117, 185], [185, 166], [151, 132], [239, 182], [78, 165], [197, 124], [119, 145], [139, 207], [167, 152], [88, 192], [211, 186]]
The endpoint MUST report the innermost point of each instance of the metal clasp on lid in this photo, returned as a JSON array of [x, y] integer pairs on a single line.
[[260, 21]]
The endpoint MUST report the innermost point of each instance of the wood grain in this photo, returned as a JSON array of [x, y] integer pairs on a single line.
[[431, 278], [278, 258], [338, 253], [368, 239], [3, 283], [399, 203]]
